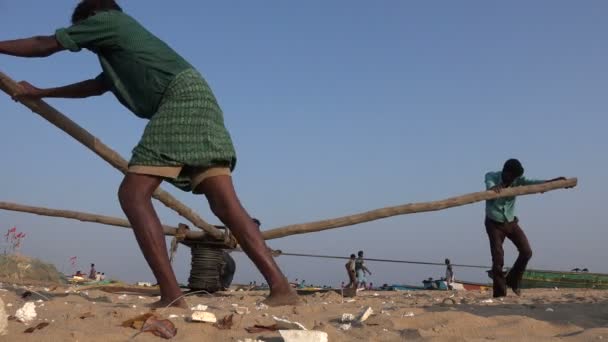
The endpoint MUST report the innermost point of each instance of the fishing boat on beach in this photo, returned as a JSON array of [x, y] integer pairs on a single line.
[[560, 279], [470, 286]]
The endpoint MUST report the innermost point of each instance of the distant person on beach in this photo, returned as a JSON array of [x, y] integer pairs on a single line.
[[102, 277], [98, 276], [92, 272], [449, 274], [185, 141], [361, 269], [502, 223], [351, 271]]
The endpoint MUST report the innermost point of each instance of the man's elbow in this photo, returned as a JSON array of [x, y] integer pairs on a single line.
[[45, 46], [100, 90]]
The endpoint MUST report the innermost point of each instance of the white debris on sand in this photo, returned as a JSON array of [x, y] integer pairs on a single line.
[[364, 315], [261, 306], [288, 325], [241, 310], [199, 307], [3, 319], [303, 336], [408, 314], [345, 327], [27, 313], [203, 316], [347, 318]]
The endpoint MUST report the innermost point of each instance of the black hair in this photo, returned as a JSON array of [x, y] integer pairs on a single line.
[[514, 168], [93, 265], [256, 221], [352, 256], [360, 253], [447, 261], [87, 8]]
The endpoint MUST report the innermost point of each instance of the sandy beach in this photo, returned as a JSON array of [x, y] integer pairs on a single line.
[[81, 314]]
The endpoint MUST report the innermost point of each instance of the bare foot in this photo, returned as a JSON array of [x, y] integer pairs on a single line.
[[282, 298], [163, 303]]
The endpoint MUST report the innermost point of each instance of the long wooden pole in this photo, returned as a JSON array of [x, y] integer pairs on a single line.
[[318, 225], [64, 123], [88, 217], [411, 208]]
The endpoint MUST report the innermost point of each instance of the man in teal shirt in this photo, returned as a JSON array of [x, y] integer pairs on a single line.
[[502, 223]]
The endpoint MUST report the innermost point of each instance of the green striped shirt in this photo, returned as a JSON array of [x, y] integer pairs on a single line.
[[137, 66]]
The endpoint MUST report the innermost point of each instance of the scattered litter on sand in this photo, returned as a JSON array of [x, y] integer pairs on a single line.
[[199, 307], [303, 336], [345, 327], [3, 319], [241, 310], [347, 318], [27, 313], [203, 316], [288, 325], [364, 315]]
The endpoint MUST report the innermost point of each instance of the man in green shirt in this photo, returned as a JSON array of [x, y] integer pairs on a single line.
[[502, 223], [185, 141]]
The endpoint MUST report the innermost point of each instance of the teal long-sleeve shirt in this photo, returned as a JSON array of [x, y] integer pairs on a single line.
[[503, 209]]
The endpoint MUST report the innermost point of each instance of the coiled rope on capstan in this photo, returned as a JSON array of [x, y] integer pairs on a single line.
[[206, 268]]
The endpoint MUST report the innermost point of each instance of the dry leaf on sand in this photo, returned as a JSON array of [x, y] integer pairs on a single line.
[[160, 327], [224, 323], [38, 327], [262, 328], [137, 322]]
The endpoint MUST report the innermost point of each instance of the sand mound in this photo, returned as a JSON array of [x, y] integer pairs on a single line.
[[20, 269]]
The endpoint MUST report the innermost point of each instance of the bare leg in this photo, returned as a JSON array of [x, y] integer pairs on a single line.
[[226, 206], [135, 195]]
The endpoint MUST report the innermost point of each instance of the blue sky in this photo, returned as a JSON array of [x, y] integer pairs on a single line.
[[339, 107]]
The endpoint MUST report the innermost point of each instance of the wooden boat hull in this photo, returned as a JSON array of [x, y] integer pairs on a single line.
[[552, 279], [406, 288], [469, 286]]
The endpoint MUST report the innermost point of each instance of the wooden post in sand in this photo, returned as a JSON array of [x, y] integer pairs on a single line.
[[112, 157], [317, 226]]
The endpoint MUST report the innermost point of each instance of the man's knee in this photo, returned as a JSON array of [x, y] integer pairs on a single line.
[[129, 192], [221, 207], [526, 253]]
